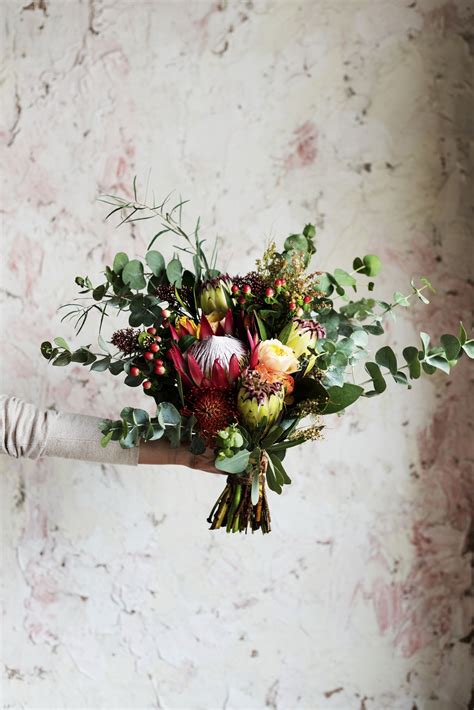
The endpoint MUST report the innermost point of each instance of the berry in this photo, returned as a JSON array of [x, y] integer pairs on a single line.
[[307, 299], [269, 292], [247, 289], [292, 306], [159, 370], [152, 331], [158, 363], [165, 313], [283, 282], [278, 283], [148, 356], [241, 299], [154, 347], [235, 289], [299, 312], [134, 371], [158, 339], [146, 385]]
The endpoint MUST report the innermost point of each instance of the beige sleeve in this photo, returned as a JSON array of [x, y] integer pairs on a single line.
[[32, 433]]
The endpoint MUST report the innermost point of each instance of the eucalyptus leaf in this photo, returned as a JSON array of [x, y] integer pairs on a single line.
[[411, 355], [101, 365], [385, 357], [174, 272], [468, 348], [132, 274], [61, 343], [120, 261], [342, 397], [439, 362], [156, 262], [62, 359], [451, 346], [235, 464], [378, 379]]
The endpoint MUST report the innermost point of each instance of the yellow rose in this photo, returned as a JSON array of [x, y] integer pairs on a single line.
[[277, 357]]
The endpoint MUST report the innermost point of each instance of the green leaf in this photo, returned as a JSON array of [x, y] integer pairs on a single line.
[[174, 272], [102, 344], [236, 464], [372, 265], [323, 283], [46, 349], [414, 366], [271, 478], [425, 339], [273, 435], [101, 365], [261, 327], [120, 261], [462, 334], [343, 278], [140, 417], [156, 262], [377, 378], [385, 357], [105, 439], [429, 369], [427, 283], [400, 299], [167, 414], [451, 346], [62, 359], [439, 362], [296, 242], [115, 368], [61, 343], [99, 292], [376, 329], [342, 397], [278, 466], [468, 348], [132, 274], [401, 379], [255, 492], [83, 356]]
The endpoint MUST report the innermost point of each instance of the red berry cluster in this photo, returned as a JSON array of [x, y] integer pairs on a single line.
[[151, 355], [242, 294]]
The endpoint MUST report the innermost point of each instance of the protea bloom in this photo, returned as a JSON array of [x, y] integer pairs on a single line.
[[218, 348], [259, 400], [303, 335], [215, 295], [209, 391]]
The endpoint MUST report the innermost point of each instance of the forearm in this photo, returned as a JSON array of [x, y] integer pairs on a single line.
[[29, 432]]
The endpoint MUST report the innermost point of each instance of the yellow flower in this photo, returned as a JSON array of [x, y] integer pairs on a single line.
[[277, 357], [186, 326]]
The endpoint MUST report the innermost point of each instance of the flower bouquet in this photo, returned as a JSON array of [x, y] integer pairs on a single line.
[[248, 365]]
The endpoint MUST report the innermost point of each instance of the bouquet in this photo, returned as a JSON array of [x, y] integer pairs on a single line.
[[249, 365]]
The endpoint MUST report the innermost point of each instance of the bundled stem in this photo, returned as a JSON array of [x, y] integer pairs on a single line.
[[234, 509]]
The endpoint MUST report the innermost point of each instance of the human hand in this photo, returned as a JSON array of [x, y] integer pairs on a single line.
[[161, 453]]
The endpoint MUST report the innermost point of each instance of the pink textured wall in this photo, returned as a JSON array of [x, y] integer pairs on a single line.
[[355, 114]]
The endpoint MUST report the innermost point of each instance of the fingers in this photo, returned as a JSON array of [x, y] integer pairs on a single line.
[[205, 462]]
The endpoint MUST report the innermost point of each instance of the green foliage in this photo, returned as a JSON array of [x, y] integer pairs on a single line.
[[133, 275], [235, 464]]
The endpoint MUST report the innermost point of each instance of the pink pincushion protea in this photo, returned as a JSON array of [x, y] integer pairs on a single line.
[[209, 382], [218, 348]]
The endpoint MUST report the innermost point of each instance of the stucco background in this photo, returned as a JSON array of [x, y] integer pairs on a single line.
[[355, 114]]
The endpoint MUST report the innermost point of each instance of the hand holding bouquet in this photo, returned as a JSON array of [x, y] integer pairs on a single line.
[[247, 365]]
